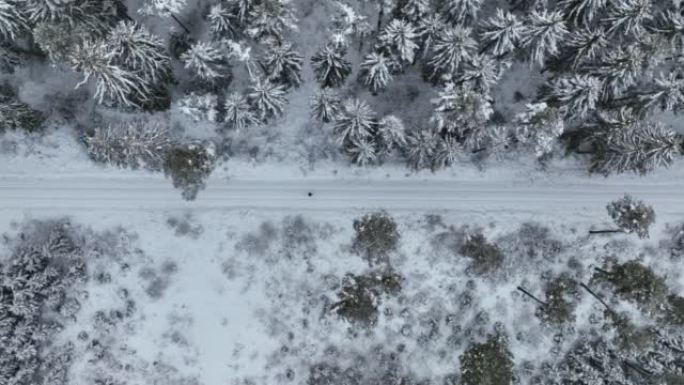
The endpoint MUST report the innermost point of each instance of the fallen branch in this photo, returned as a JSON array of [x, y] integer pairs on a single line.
[[533, 297]]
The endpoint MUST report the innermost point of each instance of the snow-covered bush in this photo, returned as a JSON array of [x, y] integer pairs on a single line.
[[133, 145], [486, 257], [376, 236], [189, 166], [359, 296], [632, 216], [489, 362]]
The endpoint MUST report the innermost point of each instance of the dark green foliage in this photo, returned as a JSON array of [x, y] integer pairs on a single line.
[[189, 166], [560, 301], [179, 43], [635, 282], [360, 296], [486, 257], [15, 115], [632, 216], [376, 236], [487, 363]]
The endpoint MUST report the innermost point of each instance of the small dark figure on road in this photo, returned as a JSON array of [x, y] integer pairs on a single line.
[[310, 194]]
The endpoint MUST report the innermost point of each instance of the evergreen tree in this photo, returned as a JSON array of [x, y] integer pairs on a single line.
[[576, 95], [543, 34], [330, 67], [420, 149], [12, 21], [627, 17], [361, 150], [135, 48], [400, 37], [162, 7], [669, 25], [666, 93], [189, 166], [414, 10], [584, 46], [632, 216], [429, 28], [97, 16], [112, 83], [500, 34], [482, 73], [271, 19], [391, 134], [641, 148], [134, 145], [267, 99], [453, 46], [326, 106], [539, 126], [283, 65], [239, 114], [199, 107], [222, 22], [461, 11], [461, 113], [206, 61], [620, 68], [356, 120], [447, 152], [583, 11], [376, 71]]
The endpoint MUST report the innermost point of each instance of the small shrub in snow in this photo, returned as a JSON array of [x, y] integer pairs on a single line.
[[189, 166], [632, 216], [360, 296], [487, 363], [486, 257], [376, 235]]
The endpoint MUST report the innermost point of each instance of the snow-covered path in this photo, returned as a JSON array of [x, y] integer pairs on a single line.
[[555, 197]]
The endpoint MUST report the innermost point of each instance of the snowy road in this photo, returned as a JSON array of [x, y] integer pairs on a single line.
[[144, 193]]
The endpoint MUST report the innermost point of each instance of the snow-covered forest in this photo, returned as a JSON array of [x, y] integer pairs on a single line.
[[365, 192]]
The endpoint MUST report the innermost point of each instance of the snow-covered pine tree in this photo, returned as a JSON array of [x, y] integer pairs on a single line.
[[453, 46], [632, 216], [583, 12], [242, 8], [356, 120], [391, 134], [667, 93], [628, 17], [135, 48], [501, 33], [576, 95], [543, 34], [267, 99], [347, 23], [222, 21], [447, 152], [620, 68], [641, 148], [428, 29], [583, 46], [669, 25], [362, 150], [112, 83], [271, 19], [239, 114], [199, 107], [420, 149], [326, 105], [539, 126], [462, 113], [12, 20], [461, 11], [413, 10], [282, 64], [330, 67], [206, 61], [400, 37], [482, 72], [97, 16], [136, 144], [376, 71]]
